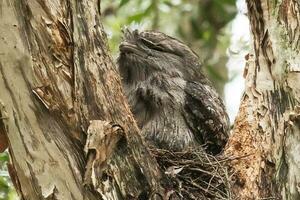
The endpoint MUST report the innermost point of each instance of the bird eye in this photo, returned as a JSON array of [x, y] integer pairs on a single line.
[[152, 45]]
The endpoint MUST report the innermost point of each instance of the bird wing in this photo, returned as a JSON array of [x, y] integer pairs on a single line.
[[206, 116]]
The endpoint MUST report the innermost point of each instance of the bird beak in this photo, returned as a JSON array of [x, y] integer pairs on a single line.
[[127, 47]]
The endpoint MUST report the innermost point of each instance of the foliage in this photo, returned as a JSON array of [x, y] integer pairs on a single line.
[[7, 191]]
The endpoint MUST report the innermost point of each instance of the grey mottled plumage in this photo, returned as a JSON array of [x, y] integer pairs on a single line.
[[173, 102]]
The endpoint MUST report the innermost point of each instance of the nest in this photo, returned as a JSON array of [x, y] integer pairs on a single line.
[[194, 174]]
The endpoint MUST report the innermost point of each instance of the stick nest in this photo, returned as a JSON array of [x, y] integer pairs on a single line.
[[194, 174]]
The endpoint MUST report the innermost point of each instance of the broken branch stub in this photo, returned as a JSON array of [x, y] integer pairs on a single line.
[[102, 138]]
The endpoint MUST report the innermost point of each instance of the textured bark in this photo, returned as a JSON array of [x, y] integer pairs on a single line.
[[267, 127], [55, 77]]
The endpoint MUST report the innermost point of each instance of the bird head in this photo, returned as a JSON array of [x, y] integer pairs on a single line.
[[147, 52]]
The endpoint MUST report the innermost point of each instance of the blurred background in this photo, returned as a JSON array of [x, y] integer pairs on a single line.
[[217, 30]]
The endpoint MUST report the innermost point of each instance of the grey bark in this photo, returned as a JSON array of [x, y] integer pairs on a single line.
[[267, 127], [57, 78]]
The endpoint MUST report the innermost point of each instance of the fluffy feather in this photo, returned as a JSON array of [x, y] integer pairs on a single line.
[[173, 102]]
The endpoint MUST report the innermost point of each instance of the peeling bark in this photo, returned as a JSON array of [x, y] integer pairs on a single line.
[[56, 76], [267, 127]]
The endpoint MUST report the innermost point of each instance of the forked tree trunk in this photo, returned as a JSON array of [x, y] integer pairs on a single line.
[[57, 78], [267, 126], [57, 81]]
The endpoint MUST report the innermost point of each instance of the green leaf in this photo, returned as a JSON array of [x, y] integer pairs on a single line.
[[4, 157], [123, 2], [138, 17], [3, 184], [168, 3]]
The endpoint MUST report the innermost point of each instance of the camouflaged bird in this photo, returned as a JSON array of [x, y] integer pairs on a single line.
[[174, 104]]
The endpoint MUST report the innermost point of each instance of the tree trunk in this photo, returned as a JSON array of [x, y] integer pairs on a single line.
[[58, 88], [71, 133], [267, 126]]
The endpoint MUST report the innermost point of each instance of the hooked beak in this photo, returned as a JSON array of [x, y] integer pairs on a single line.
[[126, 47], [129, 45]]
